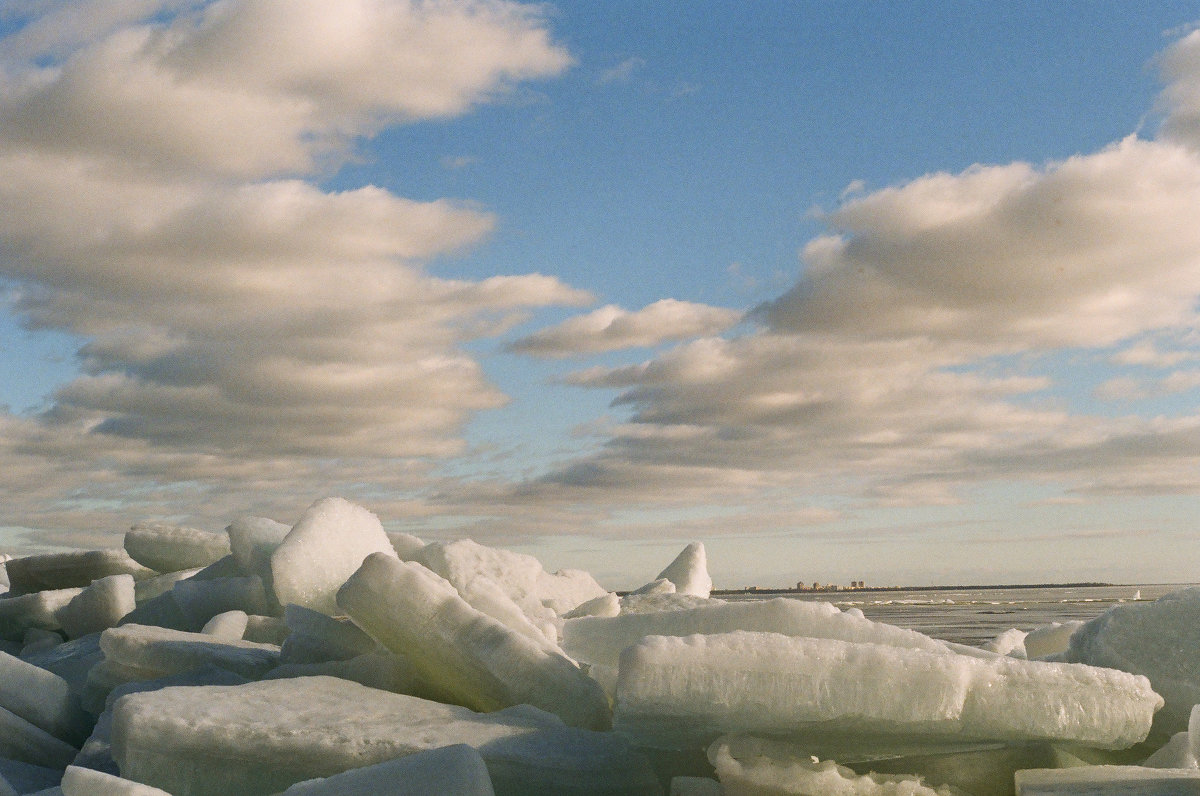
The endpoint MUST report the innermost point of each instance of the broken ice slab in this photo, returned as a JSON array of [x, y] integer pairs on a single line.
[[465, 655], [252, 540], [42, 698], [33, 611], [673, 692], [78, 781], [71, 570], [1158, 640], [150, 588], [1108, 781], [201, 600], [748, 766], [324, 548], [1050, 639], [71, 661], [162, 651], [262, 737], [28, 743], [457, 769], [600, 640], [168, 548], [318, 637], [230, 625], [689, 571], [99, 606]]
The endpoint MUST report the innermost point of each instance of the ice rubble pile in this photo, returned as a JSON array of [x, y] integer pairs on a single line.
[[333, 657]]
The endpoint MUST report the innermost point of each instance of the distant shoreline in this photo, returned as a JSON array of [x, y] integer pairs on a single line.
[[864, 589]]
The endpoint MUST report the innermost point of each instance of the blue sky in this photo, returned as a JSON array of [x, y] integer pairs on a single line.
[[844, 290]]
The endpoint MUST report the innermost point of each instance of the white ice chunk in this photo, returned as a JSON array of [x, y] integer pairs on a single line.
[[660, 586], [78, 781], [600, 640], [749, 766], [1011, 643], [661, 601], [677, 691], [30, 611], [161, 651], [689, 571], [252, 541], [1160, 640], [168, 548], [71, 570], [604, 605], [99, 606], [28, 743], [457, 769], [1107, 781], [262, 737], [405, 544], [323, 549], [468, 656], [1051, 639], [42, 698], [230, 625]]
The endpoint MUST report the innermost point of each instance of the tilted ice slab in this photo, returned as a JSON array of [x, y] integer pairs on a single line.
[[1159, 640], [466, 655], [78, 781], [28, 743], [169, 548], [33, 611], [99, 606], [41, 698], [600, 640], [324, 548], [749, 766], [689, 571], [262, 737], [456, 769], [159, 651], [673, 692], [71, 570]]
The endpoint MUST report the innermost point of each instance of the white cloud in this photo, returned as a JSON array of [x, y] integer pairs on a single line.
[[611, 328]]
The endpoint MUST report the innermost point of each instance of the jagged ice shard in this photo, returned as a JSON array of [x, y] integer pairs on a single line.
[[469, 657], [678, 692]]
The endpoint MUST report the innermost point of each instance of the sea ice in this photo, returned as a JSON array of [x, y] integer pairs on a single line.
[[71, 661], [318, 637], [675, 691], [71, 570], [78, 781], [149, 588], [230, 625], [27, 778], [266, 629], [160, 651], [252, 540], [456, 769], [201, 600], [689, 571], [42, 698], [1183, 750], [383, 670], [99, 606], [1108, 781], [749, 766], [262, 737], [660, 586], [695, 786], [600, 640], [1011, 643], [33, 611], [169, 548], [405, 544], [323, 549], [466, 655], [1160, 640], [605, 605], [28, 743], [1051, 639]]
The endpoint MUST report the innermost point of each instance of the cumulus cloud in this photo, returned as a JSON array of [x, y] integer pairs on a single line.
[[245, 330], [611, 328]]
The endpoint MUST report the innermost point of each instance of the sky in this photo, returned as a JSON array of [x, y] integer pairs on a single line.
[[904, 293]]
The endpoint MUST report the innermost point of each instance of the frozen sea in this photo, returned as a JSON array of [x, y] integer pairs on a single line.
[[975, 616]]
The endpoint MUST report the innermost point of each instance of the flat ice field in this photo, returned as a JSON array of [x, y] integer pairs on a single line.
[[331, 657]]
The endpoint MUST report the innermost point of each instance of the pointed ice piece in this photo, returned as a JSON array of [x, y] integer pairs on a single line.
[[1108, 781], [78, 781], [162, 651], [98, 607], [71, 570], [42, 698], [29, 611], [456, 769], [20, 740], [600, 640], [1160, 640], [677, 691], [689, 571], [323, 549], [469, 657], [748, 765], [262, 737], [168, 548]]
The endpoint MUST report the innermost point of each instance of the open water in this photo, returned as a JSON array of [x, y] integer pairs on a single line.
[[975, 616]]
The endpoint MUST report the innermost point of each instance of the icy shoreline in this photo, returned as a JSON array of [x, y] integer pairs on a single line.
[[270, 658]]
